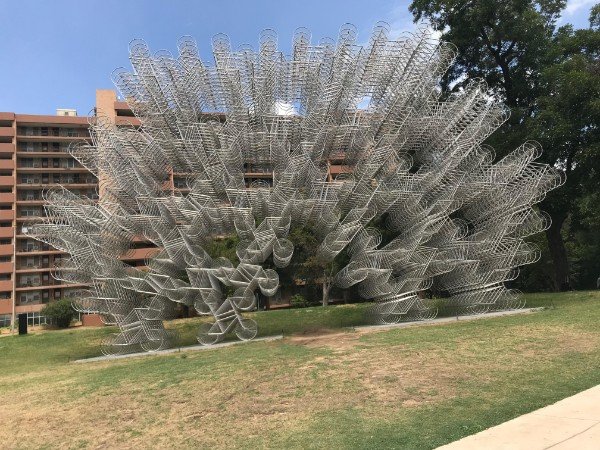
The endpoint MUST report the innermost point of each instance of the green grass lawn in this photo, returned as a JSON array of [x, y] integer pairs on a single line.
[[285, 321], [416, 387]]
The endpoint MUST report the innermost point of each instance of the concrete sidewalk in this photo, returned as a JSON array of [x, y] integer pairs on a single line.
[[451, 319], [189, 348], [570, 424]]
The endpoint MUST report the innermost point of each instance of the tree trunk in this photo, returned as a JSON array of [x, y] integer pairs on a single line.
[[326, 288], [558, 253], [185, 311]]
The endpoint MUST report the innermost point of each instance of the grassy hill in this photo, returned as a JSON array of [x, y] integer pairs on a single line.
[[338, 388]]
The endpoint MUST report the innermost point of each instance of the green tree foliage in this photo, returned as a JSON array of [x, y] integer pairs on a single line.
[[61, 312], [307, 267], [550, 80], [298, 301], [224, 247], [566, 121], [500, 42]]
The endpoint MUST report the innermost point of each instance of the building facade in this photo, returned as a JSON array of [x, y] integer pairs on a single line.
[[34, 157]]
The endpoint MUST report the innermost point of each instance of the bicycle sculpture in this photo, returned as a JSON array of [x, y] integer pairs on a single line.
[[454, 220]]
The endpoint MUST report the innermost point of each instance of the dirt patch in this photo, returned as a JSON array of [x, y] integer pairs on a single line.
[[334, 340], [272, 390]]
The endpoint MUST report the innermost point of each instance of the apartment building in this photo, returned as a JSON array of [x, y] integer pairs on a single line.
[[34, 157]]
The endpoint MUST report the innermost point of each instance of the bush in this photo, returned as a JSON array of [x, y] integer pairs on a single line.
[[61, 312], [298, 301]]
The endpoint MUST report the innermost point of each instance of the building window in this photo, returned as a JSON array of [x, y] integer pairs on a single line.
[[29, 298], [36, 319], [5, 320], [26, 162]]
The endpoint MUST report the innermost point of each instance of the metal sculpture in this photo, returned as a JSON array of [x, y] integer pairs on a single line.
[[257, 135]]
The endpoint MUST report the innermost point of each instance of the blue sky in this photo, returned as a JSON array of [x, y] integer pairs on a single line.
[[55, 54]]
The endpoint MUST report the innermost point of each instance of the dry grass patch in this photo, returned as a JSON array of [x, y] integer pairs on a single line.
[[325, 389]]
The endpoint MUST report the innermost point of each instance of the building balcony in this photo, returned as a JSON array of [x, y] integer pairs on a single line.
[[50, 121], [34, 306], [42, 285], [32, 283], [30, 218], [32, 248], [6, 249], [7, 164], [7, 116], [6, 180], [7, 214], [36, 251], [50, 169], [6, 285], [43, 153], [121, 106], [74, 184], [27, 201], [6, 305], [7, 132], [34, 268], [6, 267], [50, 138], [7, 197], [121, 121], [7, 147], [140, 253], [6, 232]]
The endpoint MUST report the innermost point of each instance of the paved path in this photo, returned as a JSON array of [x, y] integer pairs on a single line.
[[189, 348], [570, 424], [441, 320]]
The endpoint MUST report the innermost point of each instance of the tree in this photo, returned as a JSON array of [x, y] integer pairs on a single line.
[[61, 312], [500, 42], [224, 247], [307, 265], [542, 74], [566, 121]]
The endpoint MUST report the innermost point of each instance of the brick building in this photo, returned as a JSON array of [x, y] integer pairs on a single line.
[[33, 157]]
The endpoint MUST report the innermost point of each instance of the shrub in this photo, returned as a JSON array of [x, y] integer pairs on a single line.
[[298, 301], [61, 312]]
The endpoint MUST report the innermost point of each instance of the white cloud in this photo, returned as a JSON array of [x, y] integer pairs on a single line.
[[575, 5]]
